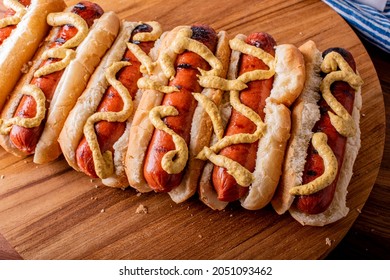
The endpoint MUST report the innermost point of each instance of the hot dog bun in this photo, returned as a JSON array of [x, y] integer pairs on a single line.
[[72, 83], [305, 114], [288, 83], [18, 49], [87, 104], [201, 128]]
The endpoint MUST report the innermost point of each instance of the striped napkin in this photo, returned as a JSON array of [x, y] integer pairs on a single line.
[[371, 20]]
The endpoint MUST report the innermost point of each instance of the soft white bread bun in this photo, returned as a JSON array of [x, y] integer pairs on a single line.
[[305, 114], [18, 49], [72, 132], [72, 83], [201, 127], [288, 84]]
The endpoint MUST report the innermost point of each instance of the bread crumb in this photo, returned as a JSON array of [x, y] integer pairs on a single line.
[[26, 67], [91, 180], [2, 176], [200, 236], [139, 194], [102, 211], [96, 186], [329, 241], [231, 215], [363, 115], [141, 209], [359, 211]]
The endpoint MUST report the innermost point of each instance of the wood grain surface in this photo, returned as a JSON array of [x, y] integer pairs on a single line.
[[52, 212]]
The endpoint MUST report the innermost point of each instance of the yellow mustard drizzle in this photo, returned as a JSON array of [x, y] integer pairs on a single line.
[[39, 97], [19, 9], [65, 51], [240, 174], [103, 163], [212, 110], [239, 45], [147, 65], [237, 138], [174, 161], [184, 42], [149, 36], [66, 55], [221, 83], [319, 142], [341, 120], [146, 83], [240, 83]]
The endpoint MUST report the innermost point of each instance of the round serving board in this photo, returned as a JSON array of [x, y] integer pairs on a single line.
[[53, 212]]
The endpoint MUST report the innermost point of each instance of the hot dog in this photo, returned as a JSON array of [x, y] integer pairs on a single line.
[[325, 139], [171, 124], [107, 106], [245, 162], [254, 97], [22, 29], [34, 116]]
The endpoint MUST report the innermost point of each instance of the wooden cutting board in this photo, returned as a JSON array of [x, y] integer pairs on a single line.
[[52, 212]]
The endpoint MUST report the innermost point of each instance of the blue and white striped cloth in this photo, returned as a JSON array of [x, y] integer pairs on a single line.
[[372, 24]]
